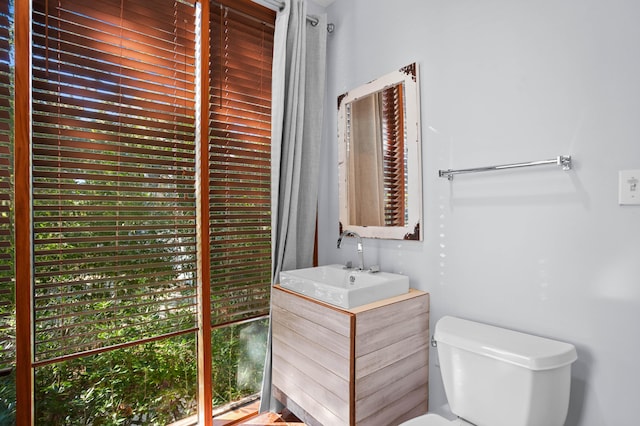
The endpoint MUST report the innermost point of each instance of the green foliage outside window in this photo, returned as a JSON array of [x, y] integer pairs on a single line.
[[237, 353], [153, 383], [148, 384], [8, 399]]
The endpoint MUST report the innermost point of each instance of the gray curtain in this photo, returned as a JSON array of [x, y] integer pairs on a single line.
[[297, 111]]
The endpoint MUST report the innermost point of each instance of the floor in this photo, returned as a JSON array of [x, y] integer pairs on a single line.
[[246, 416], [274, 419]]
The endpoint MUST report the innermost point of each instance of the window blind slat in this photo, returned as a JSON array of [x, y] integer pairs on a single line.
[[48, 176], [62, 62], [99, 90], [144, 32], [101, 265], [234, 124], [108, 144], [156, 125]]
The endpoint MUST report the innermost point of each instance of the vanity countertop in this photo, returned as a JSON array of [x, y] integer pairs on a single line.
[[358, 309]]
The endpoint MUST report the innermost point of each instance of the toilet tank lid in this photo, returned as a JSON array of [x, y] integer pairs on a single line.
[[528, 351]]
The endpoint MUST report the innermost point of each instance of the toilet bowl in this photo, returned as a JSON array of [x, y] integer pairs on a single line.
[[493, 376], [434, 420]]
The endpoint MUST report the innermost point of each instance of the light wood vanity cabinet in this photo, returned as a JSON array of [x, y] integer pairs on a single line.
[[363, 366]]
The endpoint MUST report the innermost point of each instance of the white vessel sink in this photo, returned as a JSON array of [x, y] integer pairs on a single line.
[[346, 288]]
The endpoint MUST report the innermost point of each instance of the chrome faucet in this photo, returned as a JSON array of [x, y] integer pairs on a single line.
[[359, 245]]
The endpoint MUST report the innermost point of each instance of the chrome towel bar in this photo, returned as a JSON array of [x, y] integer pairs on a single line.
[[563, 160]]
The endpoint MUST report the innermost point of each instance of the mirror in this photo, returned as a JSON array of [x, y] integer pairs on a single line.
[[379, 157]]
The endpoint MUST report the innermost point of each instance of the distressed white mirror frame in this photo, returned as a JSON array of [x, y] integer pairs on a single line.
[[408, 77]]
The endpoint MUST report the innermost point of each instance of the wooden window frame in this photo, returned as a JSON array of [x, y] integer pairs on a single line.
[[23, 221]]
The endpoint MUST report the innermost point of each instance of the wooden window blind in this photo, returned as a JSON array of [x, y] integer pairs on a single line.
[[7, 273], [113, 173], [394, 155], [241, 49]]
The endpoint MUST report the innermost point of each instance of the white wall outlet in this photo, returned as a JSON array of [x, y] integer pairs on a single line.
[[629, 191]]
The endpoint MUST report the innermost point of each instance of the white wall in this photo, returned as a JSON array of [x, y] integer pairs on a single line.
[[538, 250]]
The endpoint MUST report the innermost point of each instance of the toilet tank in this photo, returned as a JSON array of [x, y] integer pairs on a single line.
[[498, 377]]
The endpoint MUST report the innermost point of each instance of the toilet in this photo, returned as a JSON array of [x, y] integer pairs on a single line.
[[498, 377]]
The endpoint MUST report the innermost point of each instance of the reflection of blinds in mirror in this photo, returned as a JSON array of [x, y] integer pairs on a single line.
[[394, 155]]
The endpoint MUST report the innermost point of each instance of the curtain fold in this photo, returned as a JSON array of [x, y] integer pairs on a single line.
[[297, 111]]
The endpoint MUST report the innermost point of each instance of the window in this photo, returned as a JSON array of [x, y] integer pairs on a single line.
[[7, 243], [241, 50], [113, 174], [240, 164], [115, 186]]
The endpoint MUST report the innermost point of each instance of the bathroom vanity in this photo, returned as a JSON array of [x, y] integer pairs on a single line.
[[366, 365]]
